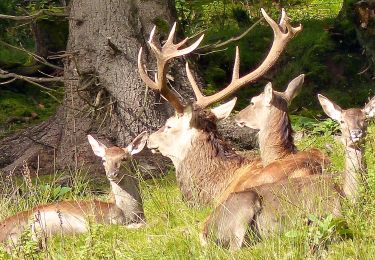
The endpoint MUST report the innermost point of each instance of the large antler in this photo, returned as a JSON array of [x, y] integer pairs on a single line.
[[283, 32], [168, 51]]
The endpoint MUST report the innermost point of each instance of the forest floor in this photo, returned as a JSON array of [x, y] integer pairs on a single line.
[[172, 229]]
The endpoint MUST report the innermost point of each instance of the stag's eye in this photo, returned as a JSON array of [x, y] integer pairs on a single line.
[[251, 103], [342, 121]]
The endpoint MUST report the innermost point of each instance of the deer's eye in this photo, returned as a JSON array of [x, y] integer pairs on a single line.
[[342, 121], [168, 127]]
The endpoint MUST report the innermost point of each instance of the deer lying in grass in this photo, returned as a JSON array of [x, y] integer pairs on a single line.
[[71, 217], [263, 209], [205, 164], [268, 113]]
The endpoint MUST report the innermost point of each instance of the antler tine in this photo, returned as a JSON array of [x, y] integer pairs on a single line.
[[167, 51], [236, 66], [193, 83], [283, 33]]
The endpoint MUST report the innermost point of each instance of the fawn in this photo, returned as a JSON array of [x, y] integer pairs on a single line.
[[72, 217]]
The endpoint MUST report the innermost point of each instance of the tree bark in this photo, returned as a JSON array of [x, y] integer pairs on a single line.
[[104, 95]]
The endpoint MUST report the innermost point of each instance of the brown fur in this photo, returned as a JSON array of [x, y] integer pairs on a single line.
[[297, 165], [280, 158], [265, 208], [213, 155], [277, 141], [226, 172], [74, 216], [22, 220]]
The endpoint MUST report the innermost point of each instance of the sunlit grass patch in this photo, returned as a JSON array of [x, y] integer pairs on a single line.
[[172, 229]]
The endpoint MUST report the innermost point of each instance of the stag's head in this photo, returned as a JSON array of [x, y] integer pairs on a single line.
[[112, 157], [353, 123], [269, 104], [177, 135], [175, 138]]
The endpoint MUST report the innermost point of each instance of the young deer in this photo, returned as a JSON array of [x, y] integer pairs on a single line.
[[205, 164], [69, 217], [268, 113], [264, 209]]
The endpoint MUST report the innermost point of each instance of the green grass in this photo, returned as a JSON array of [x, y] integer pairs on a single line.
[[19, 106], [172, 228]]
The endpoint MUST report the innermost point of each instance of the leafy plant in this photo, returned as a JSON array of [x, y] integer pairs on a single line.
[[323, 232], [327, 127], [314, 127]]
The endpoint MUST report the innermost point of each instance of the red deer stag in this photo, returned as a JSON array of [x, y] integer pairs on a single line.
[[72, 216], [205, 164], [266, 209]]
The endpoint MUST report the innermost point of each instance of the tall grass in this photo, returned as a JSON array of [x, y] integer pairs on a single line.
[[172, 230]]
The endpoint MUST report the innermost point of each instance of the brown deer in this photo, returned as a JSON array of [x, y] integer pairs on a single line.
[[205, 164], [265, 209], [69, 217], [268, 113]]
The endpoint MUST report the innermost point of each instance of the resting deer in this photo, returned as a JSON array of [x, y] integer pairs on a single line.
[[205, 164], [263, 209], [268, 113], [69, 217]]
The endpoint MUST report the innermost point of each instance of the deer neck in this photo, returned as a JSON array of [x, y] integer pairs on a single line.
[[354, 167], [207, 169], [276, 138], [127, 198]]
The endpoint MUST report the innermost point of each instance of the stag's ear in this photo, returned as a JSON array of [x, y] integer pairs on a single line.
[[331, 109], [268, 94], [294, 88], [188, 112], [223, 111], [97, 147], [370, 108], [138, 143]]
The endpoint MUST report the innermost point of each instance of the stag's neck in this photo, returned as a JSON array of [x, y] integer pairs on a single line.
[[354, 167], [127, 198], [276, 138], [206, 170]]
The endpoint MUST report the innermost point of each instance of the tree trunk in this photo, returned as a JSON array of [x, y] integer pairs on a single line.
[[104, 95]]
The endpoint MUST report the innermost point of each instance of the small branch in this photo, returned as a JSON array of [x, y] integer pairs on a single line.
[[37, 15], [9, 75], [36, 57], [209, 47], [8, 82]]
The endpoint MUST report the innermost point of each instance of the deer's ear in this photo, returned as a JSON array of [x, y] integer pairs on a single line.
[[268, 94], [330, 108], [97, 147], [188, 112], [138, 143], [370, 108], [294, 88], [223, 111]]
